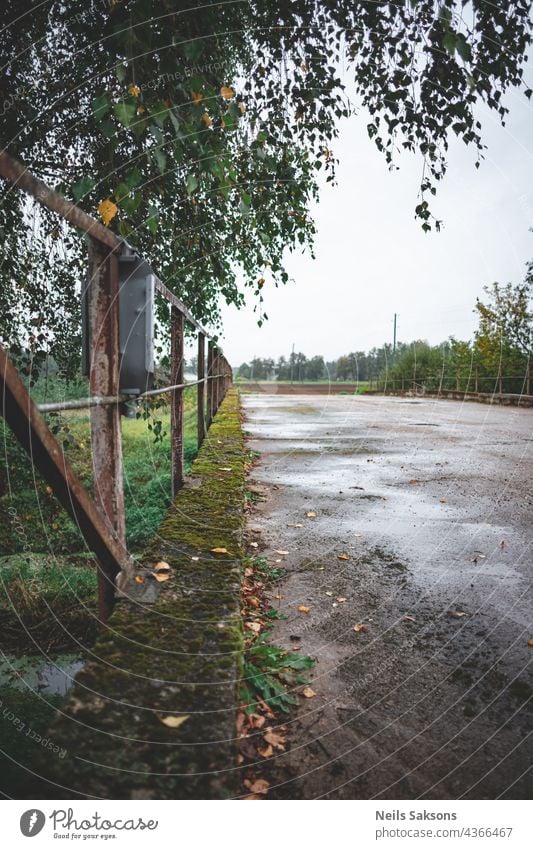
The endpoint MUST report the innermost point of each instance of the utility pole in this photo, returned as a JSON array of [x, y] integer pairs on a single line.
[[394, 339], [292, 362]]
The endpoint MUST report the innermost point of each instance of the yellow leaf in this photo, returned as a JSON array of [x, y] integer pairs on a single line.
[[276, 740], [161, 566], [260, 785], [174, 721], [308, 693], [254, 626], [303, 609], [107, 211], [359, 627], [219, 550], [139, 579], [311, 514], [280, 551], [226, 92], [207, 119], [134, 90], [266, 753], [161, 576], [343, 556]]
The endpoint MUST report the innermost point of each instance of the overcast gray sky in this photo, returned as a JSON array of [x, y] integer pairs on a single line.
[[372, 259]]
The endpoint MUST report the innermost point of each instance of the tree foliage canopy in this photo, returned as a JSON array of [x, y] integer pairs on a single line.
[[198, 133]]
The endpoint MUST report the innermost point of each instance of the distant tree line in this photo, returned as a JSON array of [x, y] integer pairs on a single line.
[[497, 359]]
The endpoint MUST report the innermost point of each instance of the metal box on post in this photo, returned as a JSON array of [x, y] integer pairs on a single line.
[[136, 323]]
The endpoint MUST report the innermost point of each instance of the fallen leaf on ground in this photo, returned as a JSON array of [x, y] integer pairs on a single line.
[[444, 501], [161, 576], [280, 551], [458, 613], [294, 525], [254, 626], [409, 619], [530, 642], [139, 579], [328, 593], [195, 558], [341, 599], [254, 545], [219, 550], [308, 692], [266, 708], [311, 514], [276, 740], [173, 721], [260, 785], [266, 753], [414, 480], [256, 720], [343, 556], [227, 92], [278, 596], [248, 572], [161, 566], [359, 627], [303, 609]]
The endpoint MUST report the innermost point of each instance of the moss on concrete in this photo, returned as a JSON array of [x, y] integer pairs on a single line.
[[179, 656]]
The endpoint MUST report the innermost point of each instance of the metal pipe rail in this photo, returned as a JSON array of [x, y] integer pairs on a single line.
[[86, 403], [103, 528]]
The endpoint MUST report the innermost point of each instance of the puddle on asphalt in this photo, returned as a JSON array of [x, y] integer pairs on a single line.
[[54, 676]]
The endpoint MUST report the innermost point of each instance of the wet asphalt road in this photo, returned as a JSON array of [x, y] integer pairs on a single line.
[[432, 501]]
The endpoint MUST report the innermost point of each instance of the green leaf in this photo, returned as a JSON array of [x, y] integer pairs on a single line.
[[152, 221], [191, 184], [125, 112], [121, 72], [161, 160], [463, 48], [101, 106], [82, 188], [449, 42]]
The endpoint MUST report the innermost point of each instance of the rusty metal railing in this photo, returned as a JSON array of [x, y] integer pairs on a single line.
[[101, 519]]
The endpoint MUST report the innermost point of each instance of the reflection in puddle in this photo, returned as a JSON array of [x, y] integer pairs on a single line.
[[54, 675]]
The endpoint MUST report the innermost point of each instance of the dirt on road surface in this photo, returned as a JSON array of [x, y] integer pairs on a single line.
[[431, 504]]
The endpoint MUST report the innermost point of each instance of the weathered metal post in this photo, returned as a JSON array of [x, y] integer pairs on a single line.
[[201, 388], [106, 436], [210, 383], [176, 408], [216, 370]]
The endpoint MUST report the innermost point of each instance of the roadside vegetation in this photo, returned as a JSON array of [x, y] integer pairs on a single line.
[[497, 359]]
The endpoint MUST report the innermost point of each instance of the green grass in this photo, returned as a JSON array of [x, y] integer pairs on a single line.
[[32, 519]]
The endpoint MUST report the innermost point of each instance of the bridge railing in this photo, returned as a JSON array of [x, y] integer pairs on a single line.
[[101, 519]]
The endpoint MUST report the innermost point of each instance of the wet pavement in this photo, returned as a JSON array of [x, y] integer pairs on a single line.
[[431, 502]]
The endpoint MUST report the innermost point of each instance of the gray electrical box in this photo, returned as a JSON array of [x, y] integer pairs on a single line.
[[136, 323]]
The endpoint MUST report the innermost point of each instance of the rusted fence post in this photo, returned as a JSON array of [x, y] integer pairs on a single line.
[[216, 371], [201, 389], [210, 383], [106, 436], [176, 409]]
